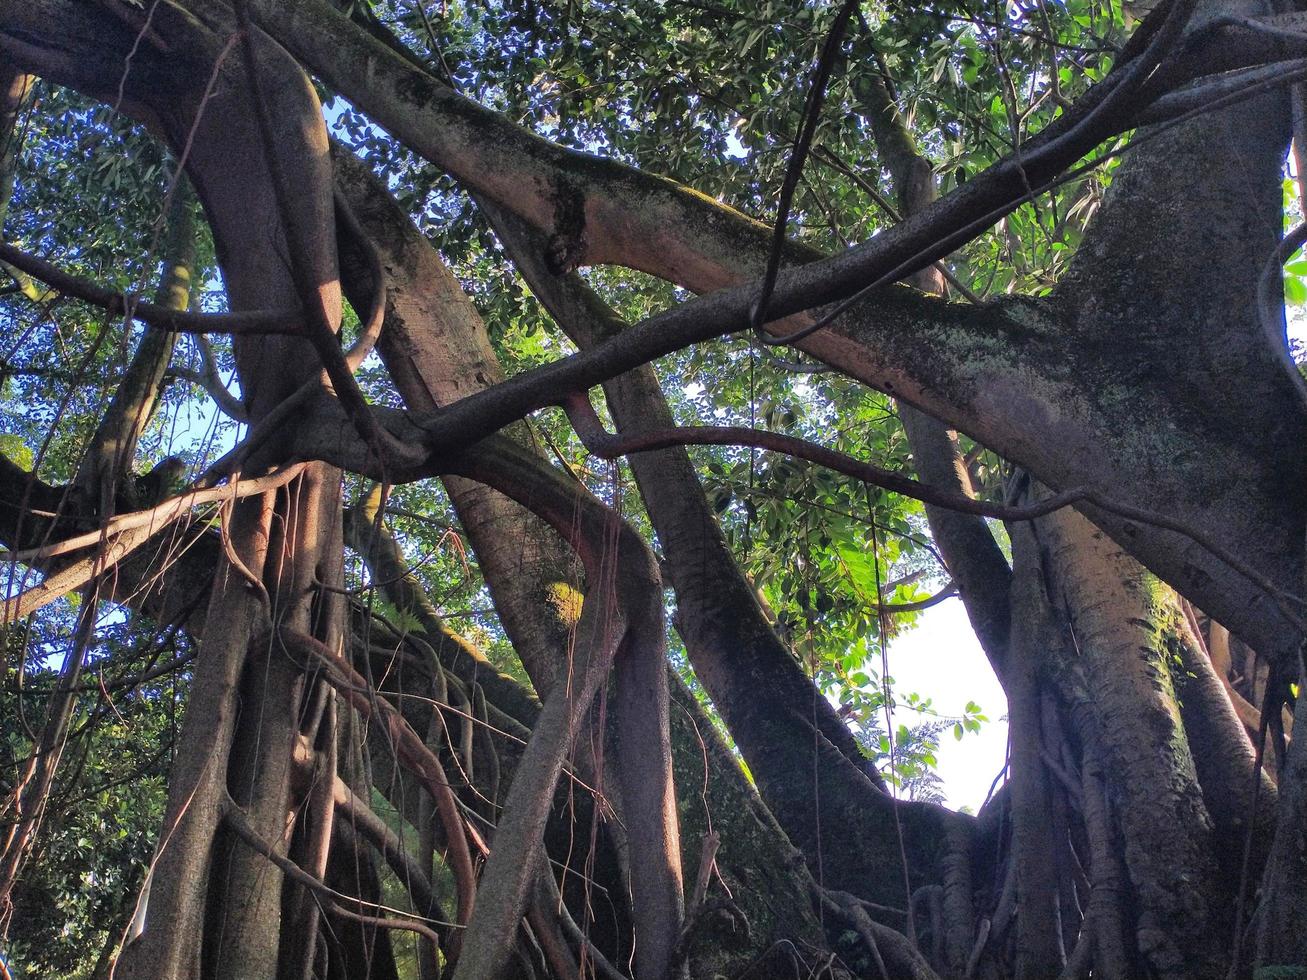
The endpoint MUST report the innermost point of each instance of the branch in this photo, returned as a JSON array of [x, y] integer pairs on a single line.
[[210, 379], [1270, 305], [716, 603], [228, 403], [889, 949], [376, 312], [409, 749], [259, 322], [966, 546], [1208, 95], [574, 932], [947, 592], [361, 817], [235, 818], [158, 517], [106, 463], [518, 838], [627, 216], [102, 686], [322, 318], [128, 533], [1108, 888], [273, 422], [606, 446]]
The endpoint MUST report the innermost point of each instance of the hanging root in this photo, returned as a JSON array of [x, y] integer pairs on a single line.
[[894, 956]]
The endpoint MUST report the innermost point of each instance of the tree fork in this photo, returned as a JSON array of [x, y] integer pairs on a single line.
[[413, 318], [956, 349]]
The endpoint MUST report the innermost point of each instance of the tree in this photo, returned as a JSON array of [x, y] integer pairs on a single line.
[[1063, 310]]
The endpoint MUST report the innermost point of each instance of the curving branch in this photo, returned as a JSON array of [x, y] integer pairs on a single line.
[[254, 323], [235, 818], [606, 446], [409, 748], [621, 626], [892, 608], [209, 378], [360, 817], [228, 403]]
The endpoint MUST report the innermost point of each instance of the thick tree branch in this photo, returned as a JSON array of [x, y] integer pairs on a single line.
[[968, 548], [1112, 616], [629, 217], [964, 352], [304, 230]]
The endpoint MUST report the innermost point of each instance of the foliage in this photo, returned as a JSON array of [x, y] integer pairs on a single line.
[[706, 92], [81, 886]]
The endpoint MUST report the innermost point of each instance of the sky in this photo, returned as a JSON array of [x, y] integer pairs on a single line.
[[941, 659]]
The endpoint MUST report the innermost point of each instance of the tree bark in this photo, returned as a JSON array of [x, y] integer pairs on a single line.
[[1042, 384], [1114, 613], [1039, 944]]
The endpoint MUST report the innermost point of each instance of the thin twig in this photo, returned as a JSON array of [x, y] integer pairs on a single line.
[[236, 819], [607, 446]]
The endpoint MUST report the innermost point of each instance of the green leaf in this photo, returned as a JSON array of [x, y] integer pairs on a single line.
[[16, 450]]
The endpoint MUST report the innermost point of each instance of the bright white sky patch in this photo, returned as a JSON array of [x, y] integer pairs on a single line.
[[941, 659]]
